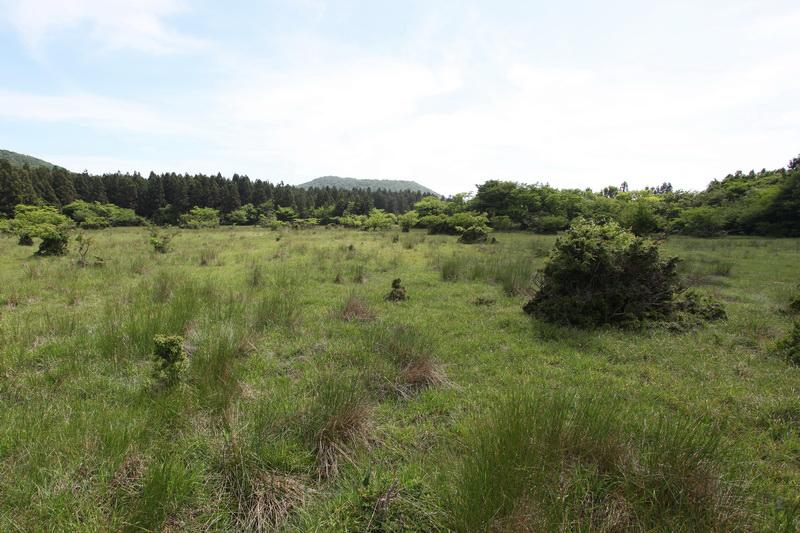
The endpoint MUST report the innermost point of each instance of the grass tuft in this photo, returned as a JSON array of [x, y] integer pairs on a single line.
[[356, 309], [560, 462], [336, 422]]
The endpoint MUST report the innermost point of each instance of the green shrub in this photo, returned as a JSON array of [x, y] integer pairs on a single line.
[[43, 222], [504, 223], [548, 223], [408, 220], [200, 217], [641, 218], [794, 305], [789, 346], [473, 235], [169, 359], [54, 242], [398, 292], [704, 221], [452, 224], [96, 215], [602, 274], [85, 244], [161, 242], [378, 219]]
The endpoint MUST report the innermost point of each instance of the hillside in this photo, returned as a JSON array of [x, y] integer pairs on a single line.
[[19, 160], [354, 183]]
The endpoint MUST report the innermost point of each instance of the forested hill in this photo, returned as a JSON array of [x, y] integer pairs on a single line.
[[162, 198], [355, 183], [19, 160]]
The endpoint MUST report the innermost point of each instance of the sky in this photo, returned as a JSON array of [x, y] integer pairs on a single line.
[[448, 93]]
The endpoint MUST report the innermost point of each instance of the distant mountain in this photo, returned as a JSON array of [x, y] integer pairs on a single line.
[[354, 183], [19, 160]]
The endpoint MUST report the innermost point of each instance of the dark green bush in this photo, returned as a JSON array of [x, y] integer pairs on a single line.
[[789, 346], [398, 292], [54, 242], [473, 235], [169, 359], [603, 274], [794, 305]]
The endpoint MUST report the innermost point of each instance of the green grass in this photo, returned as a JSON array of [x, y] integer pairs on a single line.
[[429, 414]]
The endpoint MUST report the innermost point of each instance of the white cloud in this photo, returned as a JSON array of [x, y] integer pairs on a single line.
[[113, 24], [88, 110], [449, 112]]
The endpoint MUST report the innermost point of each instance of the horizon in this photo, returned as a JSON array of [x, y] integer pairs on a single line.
[[575, 96]]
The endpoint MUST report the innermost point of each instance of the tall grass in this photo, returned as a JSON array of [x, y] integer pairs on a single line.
[[515, 274], [570, 463], [411, 351], [336, 422]]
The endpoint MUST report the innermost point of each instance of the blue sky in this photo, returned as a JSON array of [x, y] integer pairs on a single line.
[[449, 93]]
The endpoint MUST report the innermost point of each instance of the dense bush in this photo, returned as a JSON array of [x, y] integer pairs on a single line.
[[789, 346], [702, 221], [640, 216], [474, 234], [602, 274], [378, 219], [200, 217], [169, 359], [453, 224], [548, 223], [43, 222], [96, 215], [408, 220]]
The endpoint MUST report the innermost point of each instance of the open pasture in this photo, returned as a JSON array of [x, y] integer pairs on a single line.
[[311, 403]]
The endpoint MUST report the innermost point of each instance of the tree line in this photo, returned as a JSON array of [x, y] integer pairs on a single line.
[[163, 198], [754, 203]]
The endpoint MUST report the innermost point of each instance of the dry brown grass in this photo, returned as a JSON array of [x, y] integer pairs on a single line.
[[356, 309], [270, 500], [419, 374], [336, 440]]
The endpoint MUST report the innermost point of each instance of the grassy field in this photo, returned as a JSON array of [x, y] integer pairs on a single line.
[[313, 404]]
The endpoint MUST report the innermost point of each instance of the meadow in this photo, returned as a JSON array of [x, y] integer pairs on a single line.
[[311, 403]]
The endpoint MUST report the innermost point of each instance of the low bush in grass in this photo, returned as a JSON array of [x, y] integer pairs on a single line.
[[161, 241], [600, 273], [571, 463], [789, 346], [794, 304], [169, 359]]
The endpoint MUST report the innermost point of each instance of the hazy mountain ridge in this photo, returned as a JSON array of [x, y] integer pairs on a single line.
[[19, 160], [356, 183]]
